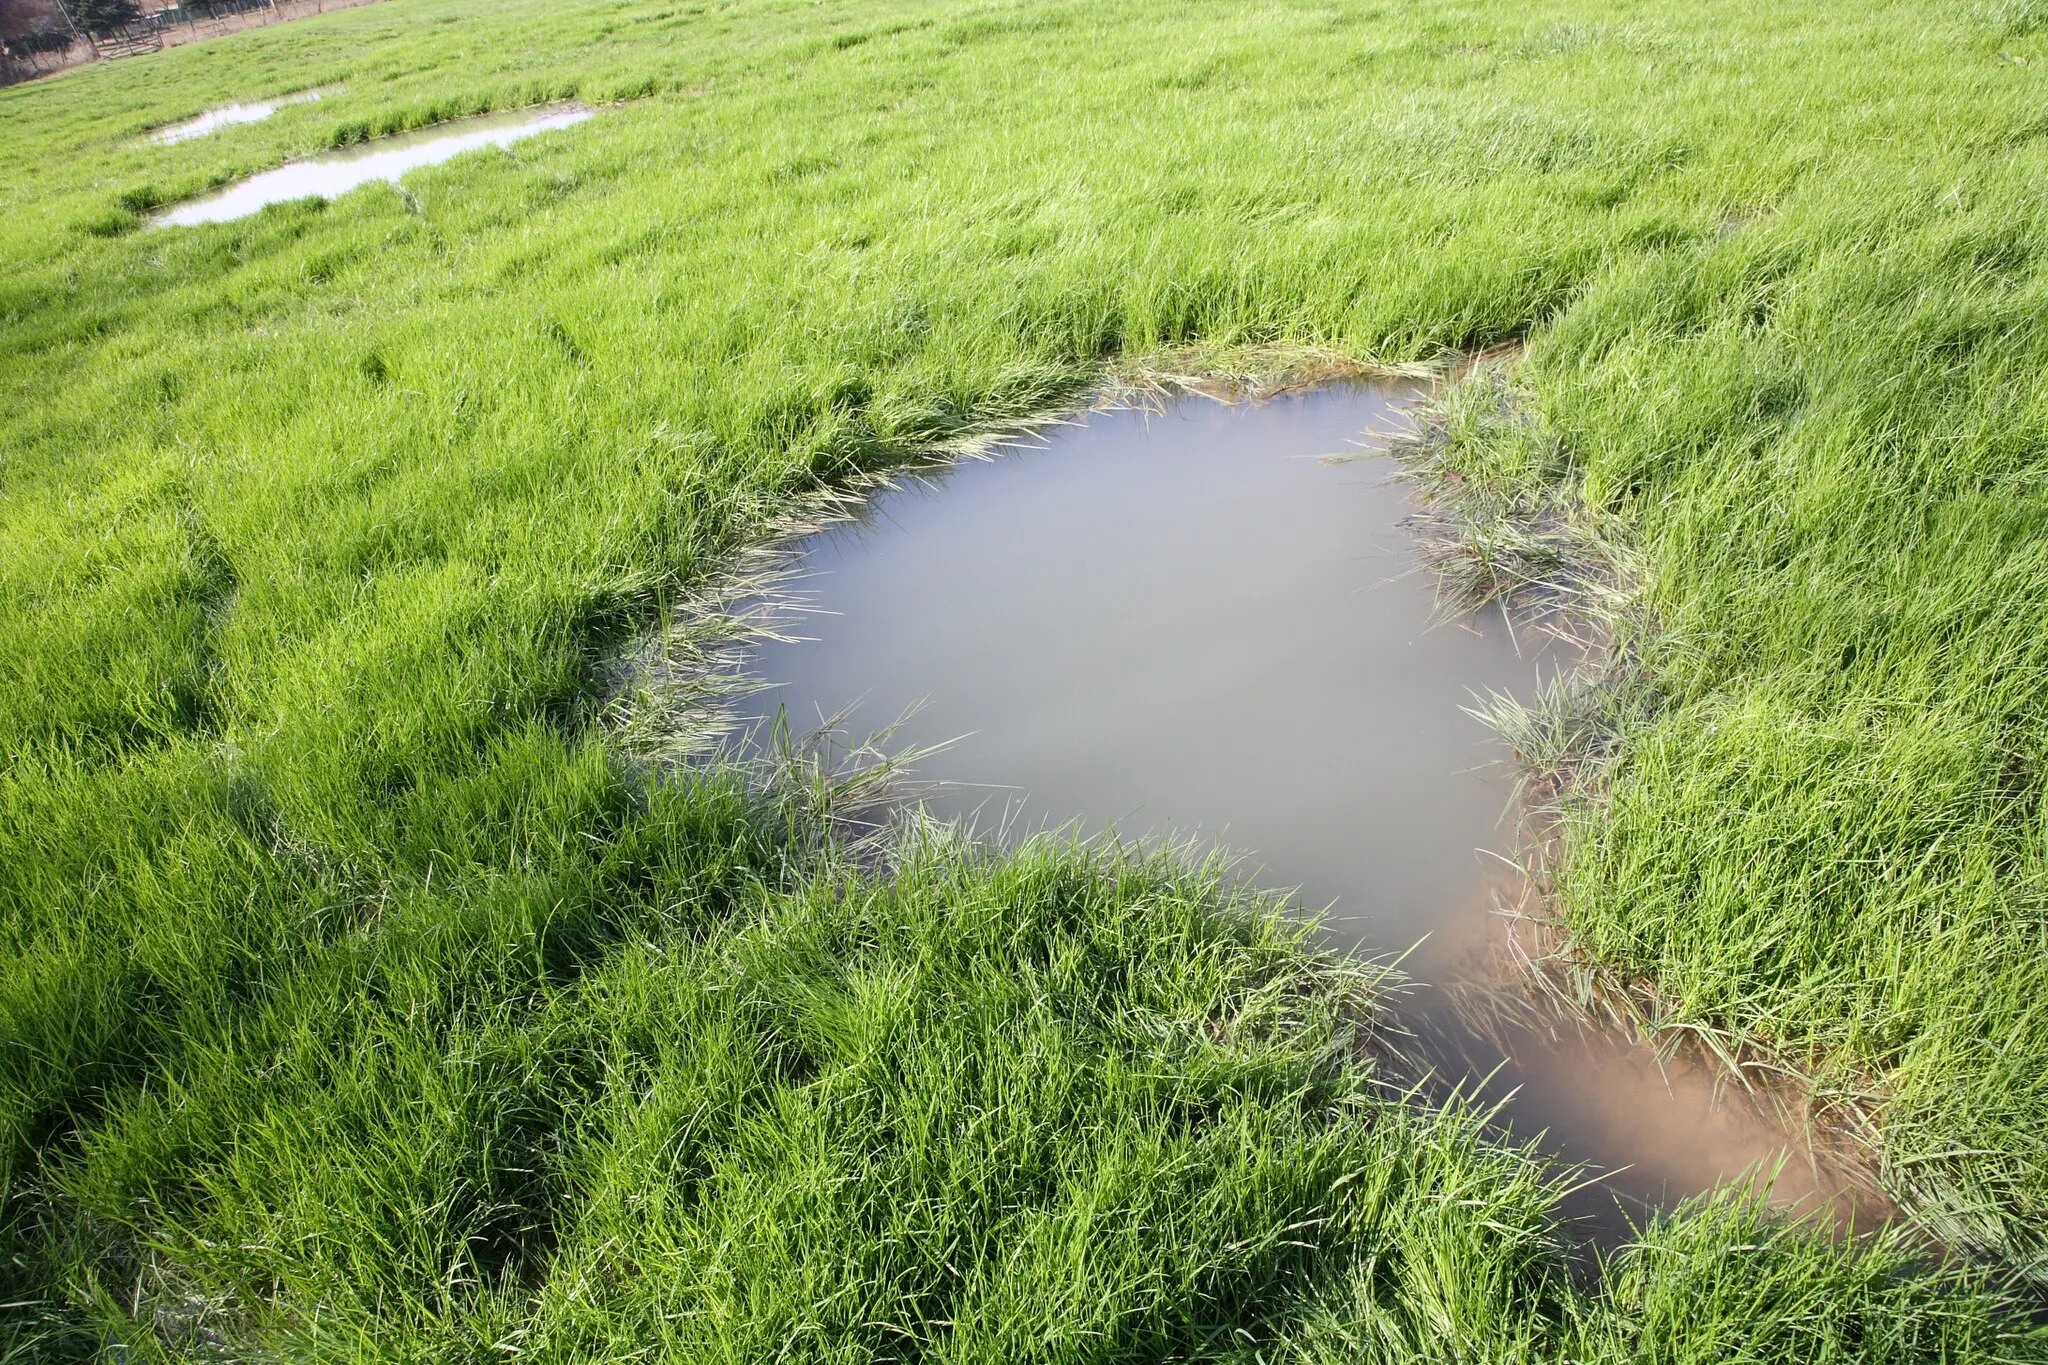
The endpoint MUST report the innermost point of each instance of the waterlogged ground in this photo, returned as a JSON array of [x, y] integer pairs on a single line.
[[386, 159], [228, 115], [356, 987], [1208, 623]]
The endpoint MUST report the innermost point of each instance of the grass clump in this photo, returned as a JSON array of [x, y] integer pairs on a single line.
[[325, 896], [1060, 1104]]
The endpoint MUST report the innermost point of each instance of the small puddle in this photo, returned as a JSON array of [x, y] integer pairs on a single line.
[[384, 159], [1192, 622], [230, 114]]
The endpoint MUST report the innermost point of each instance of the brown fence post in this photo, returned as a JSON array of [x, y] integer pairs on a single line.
[[77, 33]]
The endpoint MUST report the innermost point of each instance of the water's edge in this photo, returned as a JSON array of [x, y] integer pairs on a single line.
[[387, 159], [1548, 1044]]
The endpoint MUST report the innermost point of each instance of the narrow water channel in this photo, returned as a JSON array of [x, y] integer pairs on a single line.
[[385, 159], [228, 115], [1196, 623]]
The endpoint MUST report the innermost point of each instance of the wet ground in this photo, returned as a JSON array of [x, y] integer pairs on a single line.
[[383, 159], [1199, 623], [228, 115]]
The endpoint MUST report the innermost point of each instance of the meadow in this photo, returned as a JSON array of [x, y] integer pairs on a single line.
[[362, 995]]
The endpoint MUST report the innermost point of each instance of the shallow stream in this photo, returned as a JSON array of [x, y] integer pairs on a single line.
[[1196, 623]]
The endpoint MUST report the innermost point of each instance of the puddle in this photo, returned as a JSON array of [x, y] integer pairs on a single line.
[[230, 114], [383, 159], [1189, 622]]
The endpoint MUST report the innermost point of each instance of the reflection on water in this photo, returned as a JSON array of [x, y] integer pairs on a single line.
[[229, 114], [1192, 622], [384, 159]]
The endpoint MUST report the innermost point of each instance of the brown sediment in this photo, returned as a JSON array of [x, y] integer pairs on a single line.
[[1588, 1065], [1536, 552]]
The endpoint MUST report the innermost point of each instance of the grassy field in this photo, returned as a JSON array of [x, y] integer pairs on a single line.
[[358, 998]]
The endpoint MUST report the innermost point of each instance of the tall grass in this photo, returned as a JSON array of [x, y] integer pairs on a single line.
[[1057, 1105], [345, 957]]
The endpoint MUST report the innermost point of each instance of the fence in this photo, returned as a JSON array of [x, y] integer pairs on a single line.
[[53, 49]]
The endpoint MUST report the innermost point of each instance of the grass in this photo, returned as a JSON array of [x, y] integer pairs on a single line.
[[1045, 1107], [358, 997]]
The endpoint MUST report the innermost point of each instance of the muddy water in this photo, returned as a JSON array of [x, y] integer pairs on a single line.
[[230, 114], [383, 159], [1195, 623]]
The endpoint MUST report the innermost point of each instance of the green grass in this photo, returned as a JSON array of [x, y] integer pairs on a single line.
[[1048, 1107], [358, 998]]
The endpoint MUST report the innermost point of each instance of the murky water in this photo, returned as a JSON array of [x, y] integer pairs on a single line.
[[1194, 623], [230, 114], [384, 159]]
